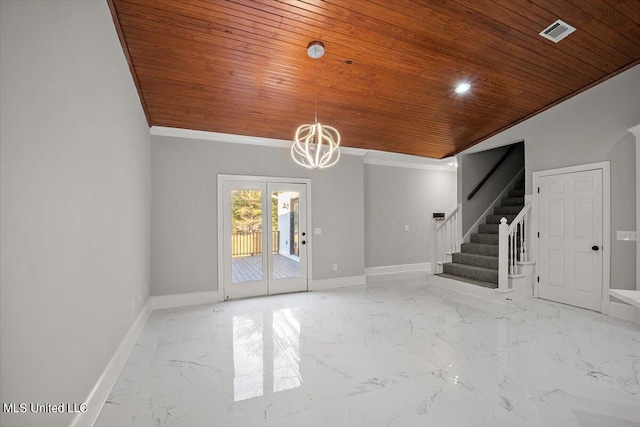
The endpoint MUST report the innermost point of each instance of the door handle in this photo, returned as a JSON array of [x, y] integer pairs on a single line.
[[304, 242], [595, 248]]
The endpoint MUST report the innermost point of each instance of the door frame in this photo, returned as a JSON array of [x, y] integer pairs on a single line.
[[222, 178], [606, 223]]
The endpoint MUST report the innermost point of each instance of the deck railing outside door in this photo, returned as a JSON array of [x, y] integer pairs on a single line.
[[250, 244]]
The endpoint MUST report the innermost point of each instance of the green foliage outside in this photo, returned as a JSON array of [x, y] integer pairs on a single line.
[[246, 208]]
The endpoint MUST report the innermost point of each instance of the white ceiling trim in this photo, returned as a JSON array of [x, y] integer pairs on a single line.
[[236, 139], [371, 157], [384, 158]]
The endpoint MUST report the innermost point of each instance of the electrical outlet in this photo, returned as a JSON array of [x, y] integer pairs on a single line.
[[627, 235], [406, 228], [335, 267]]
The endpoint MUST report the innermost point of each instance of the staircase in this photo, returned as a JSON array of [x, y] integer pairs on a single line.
[[477, 261]]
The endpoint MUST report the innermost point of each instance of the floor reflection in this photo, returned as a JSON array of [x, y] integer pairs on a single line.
[[266, 353], [248, 352], [286, 350]]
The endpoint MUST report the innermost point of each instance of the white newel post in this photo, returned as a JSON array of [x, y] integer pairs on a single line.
[[503, 256], [434, 247]]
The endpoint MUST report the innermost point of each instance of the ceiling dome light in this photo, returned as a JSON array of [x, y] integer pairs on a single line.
[[463, 87]]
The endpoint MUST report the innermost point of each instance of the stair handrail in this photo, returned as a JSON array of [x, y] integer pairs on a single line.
[[445, 238], [512, 241], [518, 219], [491, 172], [448, 217]]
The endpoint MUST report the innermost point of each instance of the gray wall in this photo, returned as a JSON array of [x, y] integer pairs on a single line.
[[395, 197], [473, 168], [590, 127], [184, 249], [74, 191]]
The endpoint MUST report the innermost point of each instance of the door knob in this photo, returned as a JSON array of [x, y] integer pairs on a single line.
[[304, 242], [304, 234], [595, 247]]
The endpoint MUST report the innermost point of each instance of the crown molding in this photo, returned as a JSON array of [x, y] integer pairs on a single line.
[[383, 158], [371, 157], [236, 139]]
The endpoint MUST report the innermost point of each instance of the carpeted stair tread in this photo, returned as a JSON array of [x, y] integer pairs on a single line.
[[512, 201], [487, 239], [473, 282], [479, 249], [471, 272], [489, 228], [490, 262], [495, 219], [477, 262], [507, 210]]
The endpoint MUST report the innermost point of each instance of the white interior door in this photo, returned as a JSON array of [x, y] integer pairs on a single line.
[[265, 238], [570, 222]]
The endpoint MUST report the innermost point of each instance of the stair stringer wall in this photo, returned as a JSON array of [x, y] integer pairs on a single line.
[[474, 228]]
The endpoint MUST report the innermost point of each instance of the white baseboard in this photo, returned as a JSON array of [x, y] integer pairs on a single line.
[[622, 311], [470, 289], [402, 271], [338, 282], [402, 268], [184, 300], [105, 383]]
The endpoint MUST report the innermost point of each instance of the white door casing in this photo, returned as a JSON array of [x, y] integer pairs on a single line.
[[572, 210]]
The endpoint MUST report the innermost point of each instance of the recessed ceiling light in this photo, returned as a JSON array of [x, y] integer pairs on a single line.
[[463, 87]]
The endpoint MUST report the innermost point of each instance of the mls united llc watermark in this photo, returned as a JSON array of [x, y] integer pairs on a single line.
[[45, 408]]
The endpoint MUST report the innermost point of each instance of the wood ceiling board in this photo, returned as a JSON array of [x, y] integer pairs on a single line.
[[241, 66], [529, 25], [584, 46], [394, 61], [629, 9]]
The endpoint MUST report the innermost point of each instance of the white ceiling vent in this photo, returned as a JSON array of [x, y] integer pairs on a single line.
[[557, 31]]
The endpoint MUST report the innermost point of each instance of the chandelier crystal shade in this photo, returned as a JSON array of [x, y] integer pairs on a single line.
[[316, 146]]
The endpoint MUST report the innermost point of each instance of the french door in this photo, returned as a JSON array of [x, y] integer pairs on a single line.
[[265, 238]]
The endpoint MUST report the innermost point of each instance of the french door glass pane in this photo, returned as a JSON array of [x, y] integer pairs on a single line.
[[246, 235], [285, 225]]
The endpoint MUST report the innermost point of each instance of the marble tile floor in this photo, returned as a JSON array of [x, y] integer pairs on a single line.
[[394, 353]]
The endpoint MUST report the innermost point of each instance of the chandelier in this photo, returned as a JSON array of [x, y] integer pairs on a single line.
[[316, 146]]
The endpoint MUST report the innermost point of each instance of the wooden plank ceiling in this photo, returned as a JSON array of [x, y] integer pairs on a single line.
[[387, 79]]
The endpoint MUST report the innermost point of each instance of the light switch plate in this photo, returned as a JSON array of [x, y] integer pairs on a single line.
[[317, 231], [627, 235], [406, 228]]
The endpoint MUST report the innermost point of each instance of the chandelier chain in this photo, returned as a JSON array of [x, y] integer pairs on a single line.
[[315, 88]]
